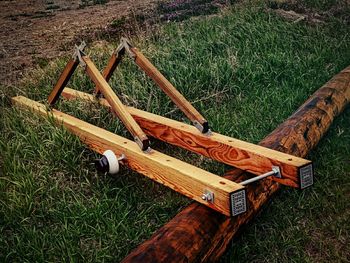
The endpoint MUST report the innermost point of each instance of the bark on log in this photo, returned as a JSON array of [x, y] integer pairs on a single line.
[[200, 234]]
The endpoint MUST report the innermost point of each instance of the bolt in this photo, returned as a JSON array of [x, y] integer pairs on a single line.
[[207, 197]]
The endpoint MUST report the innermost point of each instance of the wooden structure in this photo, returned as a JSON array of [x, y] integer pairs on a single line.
[[198, 234], [220, 194]]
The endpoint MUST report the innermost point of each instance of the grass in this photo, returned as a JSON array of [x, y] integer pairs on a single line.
[[247, 70]]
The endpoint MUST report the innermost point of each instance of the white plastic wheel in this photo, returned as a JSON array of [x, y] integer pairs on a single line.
[[112, 162]]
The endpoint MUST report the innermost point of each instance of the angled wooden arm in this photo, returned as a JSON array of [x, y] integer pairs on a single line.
[[185, 106], [62, 81], [113, 63], [116, 105]]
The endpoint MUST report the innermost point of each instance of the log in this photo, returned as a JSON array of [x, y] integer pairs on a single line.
[[198, 234]]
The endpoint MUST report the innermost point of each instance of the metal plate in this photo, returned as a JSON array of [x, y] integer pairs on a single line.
[[238, 203], [306, 175]]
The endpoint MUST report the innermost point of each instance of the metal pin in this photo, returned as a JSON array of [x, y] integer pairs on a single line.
[[274, 172]]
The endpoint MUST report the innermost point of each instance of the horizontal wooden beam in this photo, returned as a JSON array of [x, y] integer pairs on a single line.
[[191, 181], [296, 172]]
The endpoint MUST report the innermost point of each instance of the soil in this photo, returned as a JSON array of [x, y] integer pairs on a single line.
[[34, 31]]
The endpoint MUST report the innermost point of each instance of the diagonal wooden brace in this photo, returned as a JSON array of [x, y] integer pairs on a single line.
[[117, 106], [185, 106], [66, 75], [113, 63]]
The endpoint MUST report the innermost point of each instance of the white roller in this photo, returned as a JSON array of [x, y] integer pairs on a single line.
[[113, 162]]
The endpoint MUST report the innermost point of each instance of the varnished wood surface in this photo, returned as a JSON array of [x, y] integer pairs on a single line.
[[182, 177], [198, 234], [247, 156], [117, 106]]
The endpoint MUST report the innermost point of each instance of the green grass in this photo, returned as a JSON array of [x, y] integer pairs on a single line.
[[248, 71]]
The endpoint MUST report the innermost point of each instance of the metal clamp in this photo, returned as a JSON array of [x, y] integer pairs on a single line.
[[203, 129], [208, 196], [275, 171], [78, 52], [125, 45], [145, 147]]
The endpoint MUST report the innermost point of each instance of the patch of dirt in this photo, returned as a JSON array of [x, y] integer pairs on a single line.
[[34, 31], [312, 11]]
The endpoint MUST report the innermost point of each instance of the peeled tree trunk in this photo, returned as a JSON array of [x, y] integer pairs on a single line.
[[199, 234]]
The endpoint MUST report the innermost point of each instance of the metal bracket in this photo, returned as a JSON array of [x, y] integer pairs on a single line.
[[145, 148], [78, 52], [125, 44], [208, 196], [204, 130], [275, 171]]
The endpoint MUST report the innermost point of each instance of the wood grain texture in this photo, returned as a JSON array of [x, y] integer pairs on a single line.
[[62, 81], [198, 234], [246, 156], [185, 106], [182, 177], [116, 105]]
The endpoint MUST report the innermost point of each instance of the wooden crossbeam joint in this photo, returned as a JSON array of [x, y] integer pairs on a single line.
[[66, 74]]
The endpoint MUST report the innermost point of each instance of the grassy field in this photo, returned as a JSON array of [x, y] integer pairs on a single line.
[[246, 70]]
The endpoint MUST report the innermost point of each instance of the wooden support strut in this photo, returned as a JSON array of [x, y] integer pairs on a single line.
[[198, 234], [112, 64], [117, 106], [62, 81], [218, 193], [247, 156], [185, 106], [66, 75]]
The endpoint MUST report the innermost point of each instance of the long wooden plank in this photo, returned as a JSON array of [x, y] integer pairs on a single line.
[[197, 234], [250, 157], [177, 175], [63, 80], [116, 104], [169, 89]]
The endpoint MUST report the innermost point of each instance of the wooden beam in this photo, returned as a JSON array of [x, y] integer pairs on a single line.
[[197, 234], [185, 106], [63, 80], [247, 156], [112, 64], [116, 105], [177, 175]]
